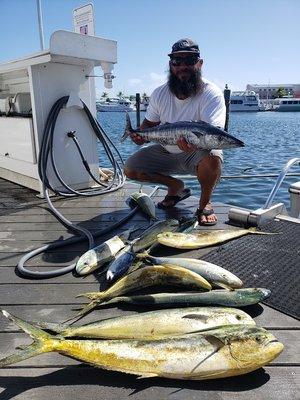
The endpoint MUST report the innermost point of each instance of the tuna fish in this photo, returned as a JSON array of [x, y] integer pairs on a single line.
[[217, 353], [200, 134], [120, 265]]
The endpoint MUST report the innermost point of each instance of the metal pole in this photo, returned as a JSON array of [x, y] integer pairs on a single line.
[[138, 112], [227, 104], [40, 19]]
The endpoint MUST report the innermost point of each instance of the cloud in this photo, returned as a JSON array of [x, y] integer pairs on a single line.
[[134, 81], [158, 78]]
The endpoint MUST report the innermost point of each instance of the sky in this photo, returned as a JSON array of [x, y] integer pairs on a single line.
[[241, 41]]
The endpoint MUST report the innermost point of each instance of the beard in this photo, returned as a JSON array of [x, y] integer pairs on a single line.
[[190, 86]]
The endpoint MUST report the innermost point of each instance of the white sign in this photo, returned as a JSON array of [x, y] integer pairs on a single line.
[[83, 18]]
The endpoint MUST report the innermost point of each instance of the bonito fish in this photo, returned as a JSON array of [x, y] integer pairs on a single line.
[[216, 275], [142, 278], [203, 238], [104, 253], [217, 297], [200, 134], [217, 353]]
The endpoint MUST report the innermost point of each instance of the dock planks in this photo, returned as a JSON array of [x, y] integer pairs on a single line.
[[25, 224]]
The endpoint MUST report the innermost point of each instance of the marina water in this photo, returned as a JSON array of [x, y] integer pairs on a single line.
[[271, 139]]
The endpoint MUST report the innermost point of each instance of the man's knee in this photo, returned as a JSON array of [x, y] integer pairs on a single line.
[[131, 174], [211, 163]]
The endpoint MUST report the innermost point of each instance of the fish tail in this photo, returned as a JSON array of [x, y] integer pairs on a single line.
[[43, 342], [85, 310], [128, 129], [91, 295], [142, 256], [256, 232]]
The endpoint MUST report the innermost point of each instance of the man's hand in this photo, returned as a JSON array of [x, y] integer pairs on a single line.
[[185, 146], [137, 139]]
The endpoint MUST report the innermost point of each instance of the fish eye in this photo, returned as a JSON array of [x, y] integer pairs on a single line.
[[258, 339], [85, 263], [238, 317]]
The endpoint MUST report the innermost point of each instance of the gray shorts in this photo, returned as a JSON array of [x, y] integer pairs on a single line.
[[156, 159]]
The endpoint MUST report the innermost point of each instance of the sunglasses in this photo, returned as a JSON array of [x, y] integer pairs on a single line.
[[189, 60]]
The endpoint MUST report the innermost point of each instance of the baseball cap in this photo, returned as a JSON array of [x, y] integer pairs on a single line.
[[185, 46]]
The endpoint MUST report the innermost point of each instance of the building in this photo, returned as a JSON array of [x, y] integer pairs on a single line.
[[270, 91]]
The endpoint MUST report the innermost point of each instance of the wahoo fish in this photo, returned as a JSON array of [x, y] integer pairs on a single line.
[[145, 277], [200, 134], [217, 353], [200, 239], [216, 275], [148, 237], [120, 265], [217, 297], [104, 253], [145, 202], [154, 324]]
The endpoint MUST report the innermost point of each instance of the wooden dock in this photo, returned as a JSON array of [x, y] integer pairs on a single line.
[[26, 224]]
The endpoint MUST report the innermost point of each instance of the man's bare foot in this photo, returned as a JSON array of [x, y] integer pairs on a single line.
[[207, 216]]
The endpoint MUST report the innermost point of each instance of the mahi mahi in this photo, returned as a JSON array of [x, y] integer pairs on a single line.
[[217, 297], [145, 203], [218, 353], [154, 324], [200, 239], [200, 134], [145, 277]]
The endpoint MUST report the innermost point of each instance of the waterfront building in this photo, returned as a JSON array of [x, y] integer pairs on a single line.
[[270, 91]]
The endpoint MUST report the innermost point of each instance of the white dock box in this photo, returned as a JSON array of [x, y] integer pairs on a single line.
[[34, 84]]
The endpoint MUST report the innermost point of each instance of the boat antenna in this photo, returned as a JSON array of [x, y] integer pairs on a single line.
[[40, 20]]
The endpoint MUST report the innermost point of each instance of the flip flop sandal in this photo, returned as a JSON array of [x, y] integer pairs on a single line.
[[206, 213], [175, 199]]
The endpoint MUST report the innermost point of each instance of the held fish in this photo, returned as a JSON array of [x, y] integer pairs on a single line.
[[200, 134], [218, 353], [145, 202], [142, 278], [149, 236], [201, 239], [155, 324], [120, 265], [102, 254], [217, 297], [216, 275]]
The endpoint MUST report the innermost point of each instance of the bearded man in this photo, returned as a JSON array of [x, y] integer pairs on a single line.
[[185, 97]]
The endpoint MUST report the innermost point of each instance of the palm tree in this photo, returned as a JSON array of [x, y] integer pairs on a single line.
[[120, 95], [145, 96], [104, 95]]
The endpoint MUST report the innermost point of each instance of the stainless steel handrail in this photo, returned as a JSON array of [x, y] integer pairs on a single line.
[[278, 183]]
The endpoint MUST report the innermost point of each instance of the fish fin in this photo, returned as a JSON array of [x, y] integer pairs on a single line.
[[37, 347], [90, 295], [128, 129], [142, 256], [85, 310], [196, 316], [222, 285], [52, 327], [215, 342], [254, 231], [148, 375]]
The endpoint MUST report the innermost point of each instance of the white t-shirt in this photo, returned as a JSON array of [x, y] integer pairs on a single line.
[[208, 106]]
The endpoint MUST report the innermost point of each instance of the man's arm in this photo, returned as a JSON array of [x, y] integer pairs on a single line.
[[136, 138]]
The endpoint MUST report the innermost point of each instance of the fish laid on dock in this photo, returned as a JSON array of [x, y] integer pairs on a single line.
[[155, 324], [145, 203], [102, 254], [120, 265], [142, 278], [149, 236], [201, 239], [217, 297], [200, 134], [214, 274], [217, 353]]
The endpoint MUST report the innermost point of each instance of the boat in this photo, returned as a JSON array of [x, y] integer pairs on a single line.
[[144, 104], [244, 101], [114, 104], [286, 104]]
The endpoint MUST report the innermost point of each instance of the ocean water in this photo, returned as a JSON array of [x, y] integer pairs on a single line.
[[271, 139]]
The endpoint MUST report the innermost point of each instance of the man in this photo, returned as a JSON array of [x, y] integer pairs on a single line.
[[185, 97]]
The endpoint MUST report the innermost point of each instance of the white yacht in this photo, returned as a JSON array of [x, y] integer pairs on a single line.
[[244, 101], [114, 104], [287, 104]]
